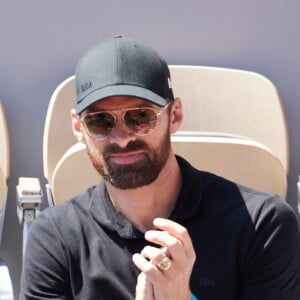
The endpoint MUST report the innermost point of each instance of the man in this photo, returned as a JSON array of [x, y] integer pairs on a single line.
[[155, 227]]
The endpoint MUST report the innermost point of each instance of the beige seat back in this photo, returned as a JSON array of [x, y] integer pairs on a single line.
[[73, 174], [215, 100], [245, 161], [4, 156], [58, 136], [232, 101], [241, 160], [2, 189]]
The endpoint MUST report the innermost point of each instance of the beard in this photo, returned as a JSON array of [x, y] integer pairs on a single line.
[[133, 175]]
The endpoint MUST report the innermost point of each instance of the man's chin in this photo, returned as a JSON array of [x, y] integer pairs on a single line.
[[132, 176], [130, 182]]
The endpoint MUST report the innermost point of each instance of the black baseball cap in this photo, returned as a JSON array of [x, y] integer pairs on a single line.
[[122, 66]]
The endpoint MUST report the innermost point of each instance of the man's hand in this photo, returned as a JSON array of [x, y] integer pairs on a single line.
[[144, 288], [174, 242]]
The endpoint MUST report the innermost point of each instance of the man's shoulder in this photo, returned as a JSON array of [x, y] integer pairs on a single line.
[[219, 194], [65, 212], [214, 186], [264, 208], [259, 202]]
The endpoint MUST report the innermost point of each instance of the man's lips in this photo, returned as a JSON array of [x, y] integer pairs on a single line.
[[125, 158]]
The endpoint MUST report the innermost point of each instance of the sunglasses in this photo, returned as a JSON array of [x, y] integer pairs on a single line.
[[140, 121]]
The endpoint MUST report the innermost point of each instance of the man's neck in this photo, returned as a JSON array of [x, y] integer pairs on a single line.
[[140, 206]]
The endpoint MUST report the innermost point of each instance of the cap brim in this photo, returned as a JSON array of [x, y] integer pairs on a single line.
[[120, 90]]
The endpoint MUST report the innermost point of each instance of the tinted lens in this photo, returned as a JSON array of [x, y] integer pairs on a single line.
[[99, 124], [141, 120]]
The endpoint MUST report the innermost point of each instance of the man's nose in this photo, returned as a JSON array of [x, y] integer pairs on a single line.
[[121, 134]]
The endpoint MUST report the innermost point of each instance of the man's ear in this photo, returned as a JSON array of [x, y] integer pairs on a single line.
[[176, 116], [76, 128]]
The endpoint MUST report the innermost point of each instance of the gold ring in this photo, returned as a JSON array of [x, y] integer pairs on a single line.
[[165, 263]]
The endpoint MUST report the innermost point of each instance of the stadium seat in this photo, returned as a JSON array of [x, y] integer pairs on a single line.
[[235, 114]]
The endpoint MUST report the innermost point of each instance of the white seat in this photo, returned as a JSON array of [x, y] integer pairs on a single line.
[[4, 164], [4, 144], [242, 105], [241, 160], [58, 136], [73, 174], [245, 161], [214, 100], [4, 156], [2, 190], [6, 289], [232, 101]]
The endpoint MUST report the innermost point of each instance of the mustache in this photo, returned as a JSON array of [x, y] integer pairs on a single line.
[[131, 146]]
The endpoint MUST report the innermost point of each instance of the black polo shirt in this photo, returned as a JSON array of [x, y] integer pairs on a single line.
[[246, 243]]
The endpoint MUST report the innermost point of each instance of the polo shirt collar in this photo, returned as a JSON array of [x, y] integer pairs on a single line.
[[187, 204]]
